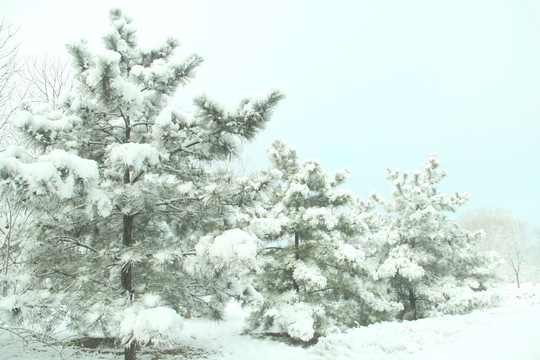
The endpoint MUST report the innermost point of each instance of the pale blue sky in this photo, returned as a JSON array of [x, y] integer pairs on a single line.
[[369, 84]]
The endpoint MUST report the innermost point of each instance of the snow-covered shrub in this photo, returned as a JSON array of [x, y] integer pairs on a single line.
[[161, 325]]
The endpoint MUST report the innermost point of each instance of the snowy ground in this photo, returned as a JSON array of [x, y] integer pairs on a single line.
[[510, 331]]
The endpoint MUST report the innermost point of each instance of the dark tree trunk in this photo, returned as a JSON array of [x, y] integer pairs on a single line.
[[297, 245], [296, 256], [130, 351], [412, 301], [126, 268], [127, 240]]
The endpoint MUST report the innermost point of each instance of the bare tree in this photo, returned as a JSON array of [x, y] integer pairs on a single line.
[[46, 79], [14, 217], [505, 234], [36, 79], [9, 68], [42, 80]]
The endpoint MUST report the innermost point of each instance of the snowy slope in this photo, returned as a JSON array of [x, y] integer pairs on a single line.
[[510, 331]]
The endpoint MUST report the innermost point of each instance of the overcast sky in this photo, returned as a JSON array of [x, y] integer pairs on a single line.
[[369, 84]]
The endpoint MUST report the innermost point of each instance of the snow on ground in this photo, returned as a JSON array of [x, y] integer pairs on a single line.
[[509, 331]]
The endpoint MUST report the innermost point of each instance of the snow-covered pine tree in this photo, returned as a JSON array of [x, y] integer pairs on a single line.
[[434, 262], [316, 278], [135, 227]]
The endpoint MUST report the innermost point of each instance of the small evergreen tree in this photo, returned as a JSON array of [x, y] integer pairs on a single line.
[[434, 262], [135, 227], [316, 277]]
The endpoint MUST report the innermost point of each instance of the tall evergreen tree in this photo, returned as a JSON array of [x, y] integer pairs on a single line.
[[134, 224], [434, 262], [316, 278]]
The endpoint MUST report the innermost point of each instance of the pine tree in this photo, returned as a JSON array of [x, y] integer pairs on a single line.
[[316, 277], [136, 229], [434, 262]]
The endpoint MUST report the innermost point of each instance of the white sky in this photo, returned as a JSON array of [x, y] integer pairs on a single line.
[[369, 84]]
